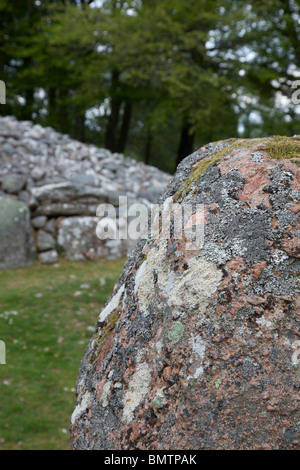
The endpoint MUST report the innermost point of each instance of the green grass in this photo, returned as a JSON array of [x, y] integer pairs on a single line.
[[45, 343]]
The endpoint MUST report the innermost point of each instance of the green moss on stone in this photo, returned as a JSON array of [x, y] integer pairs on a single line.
[[109, 327], [200, 167], [105, 332], [282, 148], [277, 147]]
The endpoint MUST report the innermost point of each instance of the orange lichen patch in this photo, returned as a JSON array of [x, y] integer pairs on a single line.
[[196, 219], [295, 208], [138, 429], [99, 387], [255, 174], [257, 269], [292, 246], [255, 299], [123, 335], [235, 265], [167, 372], [213, 208]]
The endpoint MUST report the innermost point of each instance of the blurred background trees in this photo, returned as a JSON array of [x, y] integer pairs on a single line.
[[155, 79]]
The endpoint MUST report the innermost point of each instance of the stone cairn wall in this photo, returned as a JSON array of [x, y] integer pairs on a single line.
[[50, 188], [200, 348]]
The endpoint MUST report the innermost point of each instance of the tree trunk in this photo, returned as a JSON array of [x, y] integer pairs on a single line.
[[124, 128], [28, 108], [186, 143], [113, 119], [80, 127], [63, 118], [51, 93], [148, 147]]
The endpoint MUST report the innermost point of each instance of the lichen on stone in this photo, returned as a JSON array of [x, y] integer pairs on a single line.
[[203, 352], [277, 147], [176, 332], [137, 389], [196, 285]]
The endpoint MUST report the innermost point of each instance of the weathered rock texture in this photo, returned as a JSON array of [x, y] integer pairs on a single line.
[[196, 349], [16, 239], [63, 181]]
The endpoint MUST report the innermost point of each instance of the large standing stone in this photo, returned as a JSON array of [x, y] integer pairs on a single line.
[[16, 240], [198, 348]]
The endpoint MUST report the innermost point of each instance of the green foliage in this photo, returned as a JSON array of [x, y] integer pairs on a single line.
[[151, 70]]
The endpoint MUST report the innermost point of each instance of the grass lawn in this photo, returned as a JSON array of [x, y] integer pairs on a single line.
[[47, 316]]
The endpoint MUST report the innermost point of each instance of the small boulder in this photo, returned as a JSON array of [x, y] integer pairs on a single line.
[[45, 241], [13, 183], [39, 222], [48, 257], [38, 173]]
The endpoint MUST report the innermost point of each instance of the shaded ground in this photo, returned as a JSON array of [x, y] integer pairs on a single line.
[[47, 315]]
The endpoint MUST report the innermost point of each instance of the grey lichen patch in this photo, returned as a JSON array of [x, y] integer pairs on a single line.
[[157, 263], [81, 407], [113, 304], [198, 283], [139, 275], [105, 394], [264, 323], [198, 345], [138, 388], [107, 321], [213, 158], [193, 288], [176, 332]]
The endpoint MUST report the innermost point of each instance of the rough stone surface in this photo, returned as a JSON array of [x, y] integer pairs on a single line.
[[78, 240], [48, 257], [45, 241], [60, 179], [13, 183], [16, 243], [197, 349], [38, 222]]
